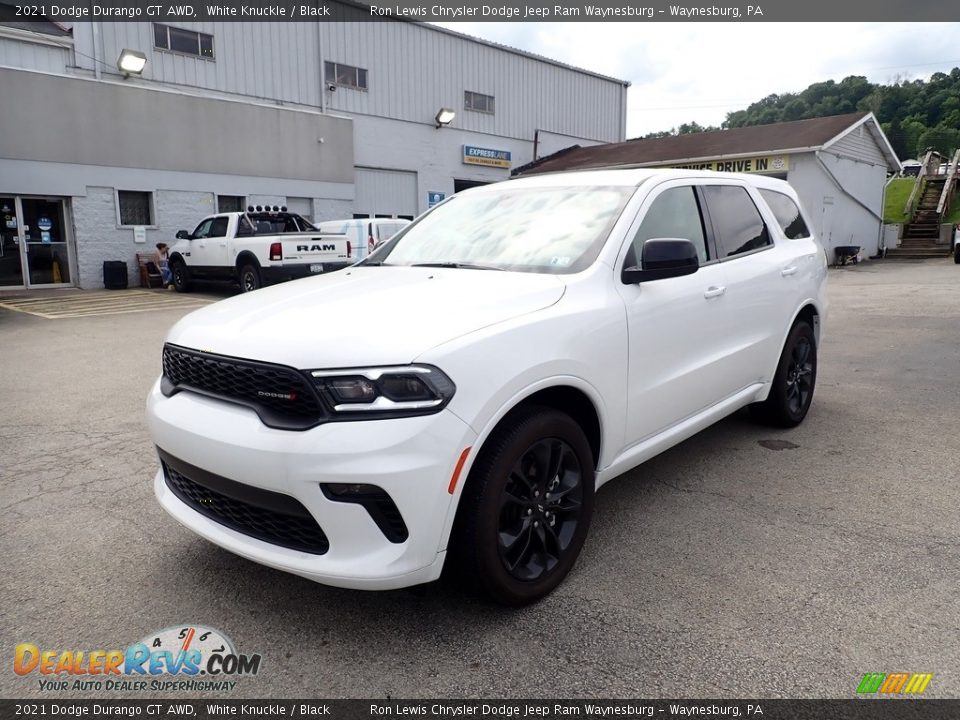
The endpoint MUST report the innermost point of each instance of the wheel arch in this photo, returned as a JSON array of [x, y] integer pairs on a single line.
[[246, 257], [178, 257], [567, 394]]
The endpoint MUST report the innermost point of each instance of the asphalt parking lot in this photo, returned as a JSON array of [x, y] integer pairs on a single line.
[[743, 563]]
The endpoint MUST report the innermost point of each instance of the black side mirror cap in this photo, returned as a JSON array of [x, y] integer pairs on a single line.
[[183, 235], [663, 258]]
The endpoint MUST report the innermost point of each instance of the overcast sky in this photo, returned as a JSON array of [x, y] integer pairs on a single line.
[[701, 71]]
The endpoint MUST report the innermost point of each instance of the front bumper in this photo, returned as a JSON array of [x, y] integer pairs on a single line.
[[412, 459]]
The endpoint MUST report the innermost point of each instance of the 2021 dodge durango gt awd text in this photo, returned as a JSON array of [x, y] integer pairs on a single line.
[[458, 396]]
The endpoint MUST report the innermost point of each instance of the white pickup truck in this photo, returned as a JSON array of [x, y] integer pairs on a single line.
[[255, 248]]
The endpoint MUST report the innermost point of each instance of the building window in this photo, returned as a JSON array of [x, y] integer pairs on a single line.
[[230, 203], [183, 41], [345, 75], [136, 208], [478, 102]]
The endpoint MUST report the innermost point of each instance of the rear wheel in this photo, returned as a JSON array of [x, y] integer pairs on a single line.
[[794, 382], [250, 278], [180, 276], [526, 507]]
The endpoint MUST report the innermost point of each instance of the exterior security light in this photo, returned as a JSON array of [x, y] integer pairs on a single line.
[[131, 62], [445, 117]]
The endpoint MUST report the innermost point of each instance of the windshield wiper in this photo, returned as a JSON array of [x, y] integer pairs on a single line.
[[457, 265], [374, 263]]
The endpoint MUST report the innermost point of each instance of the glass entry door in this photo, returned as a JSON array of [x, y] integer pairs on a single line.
[[11, 267], [44, 231]]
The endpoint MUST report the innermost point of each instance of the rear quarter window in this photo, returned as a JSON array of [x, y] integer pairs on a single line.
[[787, 214], [739, 225]]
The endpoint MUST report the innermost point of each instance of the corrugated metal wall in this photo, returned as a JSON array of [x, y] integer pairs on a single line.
[[389, 192], [413, 71], [33, 55]]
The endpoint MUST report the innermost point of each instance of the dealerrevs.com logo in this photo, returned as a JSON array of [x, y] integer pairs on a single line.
[[187, 658]]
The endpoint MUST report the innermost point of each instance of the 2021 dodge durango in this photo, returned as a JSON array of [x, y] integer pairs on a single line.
[[457, 397]]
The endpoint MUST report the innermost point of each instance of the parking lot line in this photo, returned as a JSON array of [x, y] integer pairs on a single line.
[[110, 302]]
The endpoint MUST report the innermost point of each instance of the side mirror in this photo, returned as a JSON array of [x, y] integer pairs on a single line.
[[663, 258], [183, 235]]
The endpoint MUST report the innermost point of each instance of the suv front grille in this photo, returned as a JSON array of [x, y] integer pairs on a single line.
[[282, 396], [269, 516]]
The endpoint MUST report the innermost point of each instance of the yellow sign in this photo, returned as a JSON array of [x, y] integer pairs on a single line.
[[761, 164]]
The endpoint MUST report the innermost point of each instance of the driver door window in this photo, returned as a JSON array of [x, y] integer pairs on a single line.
[[203, 229], [675, 213]]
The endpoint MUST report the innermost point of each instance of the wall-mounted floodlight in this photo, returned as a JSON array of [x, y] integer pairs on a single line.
[[445, 117], [131, 62]]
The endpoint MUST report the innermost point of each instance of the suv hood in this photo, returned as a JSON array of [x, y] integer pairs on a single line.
[[363, 315]]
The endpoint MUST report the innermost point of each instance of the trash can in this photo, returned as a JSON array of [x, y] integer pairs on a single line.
[[115, 275]]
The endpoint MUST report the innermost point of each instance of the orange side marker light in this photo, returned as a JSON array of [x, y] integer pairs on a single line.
[[456, 471]]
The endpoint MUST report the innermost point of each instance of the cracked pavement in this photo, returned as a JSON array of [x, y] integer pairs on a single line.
[[745, 562]]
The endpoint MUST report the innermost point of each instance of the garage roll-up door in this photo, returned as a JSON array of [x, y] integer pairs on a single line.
[[385, 192]]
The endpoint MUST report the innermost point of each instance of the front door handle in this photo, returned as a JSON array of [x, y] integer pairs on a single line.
[[787, 271], [714, 291]]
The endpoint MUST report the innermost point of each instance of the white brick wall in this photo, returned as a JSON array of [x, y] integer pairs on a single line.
[[99, 238]]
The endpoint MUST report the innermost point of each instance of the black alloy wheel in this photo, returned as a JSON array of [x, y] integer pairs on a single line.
[[180, 276], [799, 376], [250, 278], [794, 382], [539, 509], [525, 509]]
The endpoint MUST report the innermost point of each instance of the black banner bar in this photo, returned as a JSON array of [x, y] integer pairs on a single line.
[[479, 11], [876, 708]]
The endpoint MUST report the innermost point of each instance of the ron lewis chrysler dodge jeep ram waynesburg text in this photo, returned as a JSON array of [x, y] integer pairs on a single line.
[[457, 397]]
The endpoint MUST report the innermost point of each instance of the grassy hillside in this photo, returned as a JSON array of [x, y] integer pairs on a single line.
[[898, 192]]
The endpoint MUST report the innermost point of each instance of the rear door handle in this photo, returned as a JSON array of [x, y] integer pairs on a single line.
[[787, 271], [714, 291]]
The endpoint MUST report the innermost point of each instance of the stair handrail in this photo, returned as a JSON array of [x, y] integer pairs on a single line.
[[943, 207], [921, 176]]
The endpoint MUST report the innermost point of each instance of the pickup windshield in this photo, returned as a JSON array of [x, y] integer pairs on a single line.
[[556, 230]]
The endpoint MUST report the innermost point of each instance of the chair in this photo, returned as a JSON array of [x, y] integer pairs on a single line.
[[150, 276]]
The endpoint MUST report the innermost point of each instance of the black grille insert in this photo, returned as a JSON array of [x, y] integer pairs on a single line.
[[282, 396], [269, 516]]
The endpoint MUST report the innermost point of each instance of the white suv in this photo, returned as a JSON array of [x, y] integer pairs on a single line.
[[522, 344]]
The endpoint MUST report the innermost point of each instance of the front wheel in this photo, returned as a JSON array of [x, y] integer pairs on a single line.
[[180, 276], [526, 507], [794, 382], [250, 278]]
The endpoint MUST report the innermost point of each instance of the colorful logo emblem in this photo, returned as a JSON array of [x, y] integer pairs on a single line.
[[182, 651], [894, 683]]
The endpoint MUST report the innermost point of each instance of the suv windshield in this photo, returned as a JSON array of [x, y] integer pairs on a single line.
[[547, 230]]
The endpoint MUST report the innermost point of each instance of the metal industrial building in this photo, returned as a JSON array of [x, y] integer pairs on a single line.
[[838, 165], [333, 120]]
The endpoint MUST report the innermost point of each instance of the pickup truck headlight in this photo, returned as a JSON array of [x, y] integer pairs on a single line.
[[394, 391]]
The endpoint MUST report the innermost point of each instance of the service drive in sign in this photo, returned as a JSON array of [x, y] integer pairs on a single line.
[[486, 156]]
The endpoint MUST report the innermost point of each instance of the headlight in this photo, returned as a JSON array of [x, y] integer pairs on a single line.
[[385, 391]]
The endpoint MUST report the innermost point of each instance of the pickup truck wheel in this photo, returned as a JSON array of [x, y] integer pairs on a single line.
[[794, 382], [956, 254], [250, 278], [526, 507], [180, 276]]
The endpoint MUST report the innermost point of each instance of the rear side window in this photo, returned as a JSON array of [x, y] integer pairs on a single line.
[[787, 214], [675, 213], [740, 228], [219, 227]]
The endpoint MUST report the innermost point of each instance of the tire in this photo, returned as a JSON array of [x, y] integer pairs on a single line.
[[250, 278], [180, 276], [794, 382], [956, 254], [518, 531]]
